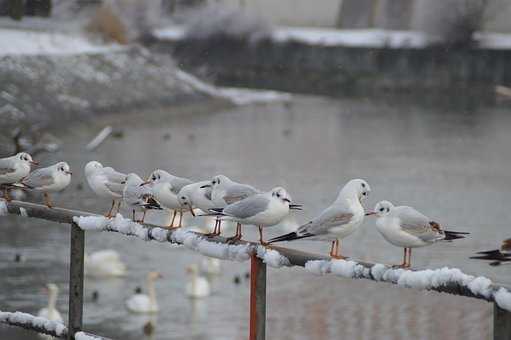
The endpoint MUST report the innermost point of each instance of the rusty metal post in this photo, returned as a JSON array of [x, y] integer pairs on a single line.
[[257, 299], [501, 323], [77, 248]]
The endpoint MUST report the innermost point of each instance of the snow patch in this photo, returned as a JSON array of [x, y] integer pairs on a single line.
[[26, 319], [193, 241], [23, 212], [91, 222], [343, 268], [237, 96], [503, 298], [85, 336], [318, 267], [272, 257], [24, 42], [3, 208]]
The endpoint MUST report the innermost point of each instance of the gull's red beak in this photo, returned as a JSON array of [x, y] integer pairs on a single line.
[[69, 172], [145, 183], [369, 213], [34, 162], [191, 211]]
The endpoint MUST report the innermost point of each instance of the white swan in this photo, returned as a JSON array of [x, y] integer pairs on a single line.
[[141, 303], [211, 266], [104, 263], [51, 312], [198, 287]]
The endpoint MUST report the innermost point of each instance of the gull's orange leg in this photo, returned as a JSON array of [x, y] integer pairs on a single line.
[[47, 200], [109, 213], [236, 236], [118, 207], [6, 194], [133, 215], [143, 217], [336, 255], [261, 241], [180, 218], [409, 264], [171, 225]]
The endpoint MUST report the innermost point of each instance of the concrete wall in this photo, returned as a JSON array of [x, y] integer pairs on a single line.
[[339, 70]]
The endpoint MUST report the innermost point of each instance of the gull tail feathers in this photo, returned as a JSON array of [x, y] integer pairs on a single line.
[[214, 212], [151, 203], [289, 237], [454, 235]]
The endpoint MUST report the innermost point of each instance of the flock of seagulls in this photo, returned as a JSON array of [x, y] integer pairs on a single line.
[[244, 204]]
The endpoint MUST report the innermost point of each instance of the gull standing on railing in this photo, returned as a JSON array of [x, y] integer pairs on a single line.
[[165, 188], [138, 197], [337, 221], [54, 178], [225, 191], [198, 195], [13, 169], [263, 210], [405, 227], [106, 182]]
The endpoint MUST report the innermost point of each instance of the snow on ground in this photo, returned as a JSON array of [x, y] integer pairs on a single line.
[[376, 38], [26, 319], [85, 336], [420, 279], [237, 96], [24, 42]]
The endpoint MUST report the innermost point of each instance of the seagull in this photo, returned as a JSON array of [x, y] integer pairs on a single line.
[[263, 210], [138, 197], [337, 221], [198, 195], [105, 182], [13, 169], [225, 191], [406, 227], [54, 178], [165, 188], [498, 255]]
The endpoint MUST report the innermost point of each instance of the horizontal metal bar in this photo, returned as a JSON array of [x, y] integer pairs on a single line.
[[295, 257]]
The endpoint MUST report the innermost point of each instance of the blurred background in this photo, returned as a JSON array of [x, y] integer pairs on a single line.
[[411, 95]]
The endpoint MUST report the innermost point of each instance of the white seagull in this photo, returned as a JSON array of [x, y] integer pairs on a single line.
[[198, 195], [13, 169], [165, 188], [54, 178], [263, 210], [142, 303], [138, 197], [225, 191], [337, 221], [405, 227], [106, 182]]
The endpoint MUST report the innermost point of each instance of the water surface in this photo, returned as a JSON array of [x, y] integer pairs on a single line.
[[450, 162]]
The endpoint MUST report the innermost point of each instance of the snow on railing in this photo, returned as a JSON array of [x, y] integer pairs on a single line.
[[448, 280], [43, 325]]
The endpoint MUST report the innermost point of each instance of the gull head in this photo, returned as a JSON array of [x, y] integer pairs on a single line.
[[279, 193], [157, 176], [219, 180], [63, 168], [382, 208], [25, 158], [91, 167], [358, 187]]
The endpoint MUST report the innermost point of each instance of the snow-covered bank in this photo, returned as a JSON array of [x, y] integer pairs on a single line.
[[237, 96], [372, 38], [24, 42], [34, 322]]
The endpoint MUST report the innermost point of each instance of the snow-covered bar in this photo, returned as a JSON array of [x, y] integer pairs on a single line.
[[43, 326], [447, 280]]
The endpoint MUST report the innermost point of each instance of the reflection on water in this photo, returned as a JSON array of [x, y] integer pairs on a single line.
[[452, 163]]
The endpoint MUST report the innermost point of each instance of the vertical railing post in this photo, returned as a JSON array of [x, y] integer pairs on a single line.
[[501, 323], [76, 258], [257, 299]]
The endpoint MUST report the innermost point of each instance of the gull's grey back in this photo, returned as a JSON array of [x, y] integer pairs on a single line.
[[248, 207], [238, 192], [415, 223], [39, 178]]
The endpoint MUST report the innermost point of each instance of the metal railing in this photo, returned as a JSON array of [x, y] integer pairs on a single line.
[[257, 329]]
